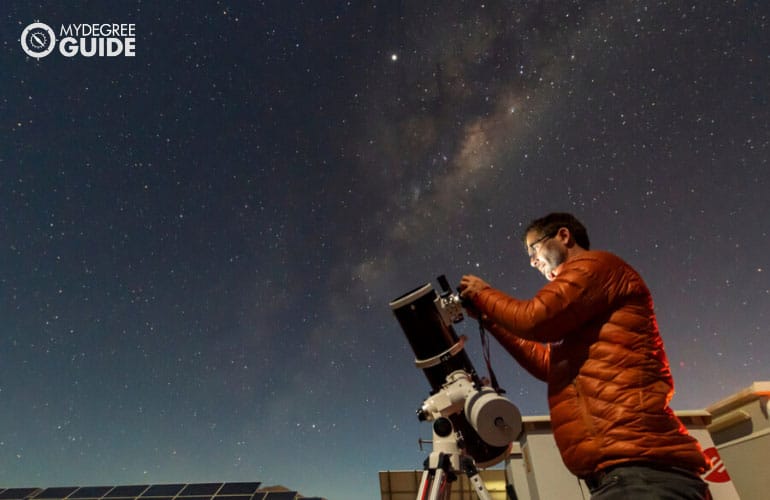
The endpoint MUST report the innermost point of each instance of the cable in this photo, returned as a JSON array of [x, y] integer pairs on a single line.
[[487, 358]]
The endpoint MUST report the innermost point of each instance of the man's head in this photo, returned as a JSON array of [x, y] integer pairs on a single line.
[[553, 239]]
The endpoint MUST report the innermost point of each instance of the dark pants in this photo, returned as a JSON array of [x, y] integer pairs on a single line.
[[643, 482]]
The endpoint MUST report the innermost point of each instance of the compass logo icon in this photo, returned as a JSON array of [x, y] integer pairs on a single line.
[[38, 40]]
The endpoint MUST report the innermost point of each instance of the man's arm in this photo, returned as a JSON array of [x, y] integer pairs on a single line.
[[575, 296], [532, 356]]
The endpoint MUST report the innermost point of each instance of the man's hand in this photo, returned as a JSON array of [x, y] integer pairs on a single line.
[[471, 285]]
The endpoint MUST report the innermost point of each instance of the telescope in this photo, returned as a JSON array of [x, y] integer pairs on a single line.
[[465, 412]]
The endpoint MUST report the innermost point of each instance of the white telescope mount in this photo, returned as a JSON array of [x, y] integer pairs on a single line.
[[444, 464], [496, 420]]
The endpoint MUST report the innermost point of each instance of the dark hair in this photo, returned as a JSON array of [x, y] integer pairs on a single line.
[[551, 223]]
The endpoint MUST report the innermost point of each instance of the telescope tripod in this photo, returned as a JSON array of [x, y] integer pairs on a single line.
[[444, 464]]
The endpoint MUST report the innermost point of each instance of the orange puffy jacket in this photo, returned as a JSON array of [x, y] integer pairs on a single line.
[[591, 334]]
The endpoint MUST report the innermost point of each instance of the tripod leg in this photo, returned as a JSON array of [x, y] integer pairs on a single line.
[[422, 493], [441, 486]]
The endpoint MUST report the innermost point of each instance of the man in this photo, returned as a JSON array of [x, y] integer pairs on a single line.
[[591, 334]]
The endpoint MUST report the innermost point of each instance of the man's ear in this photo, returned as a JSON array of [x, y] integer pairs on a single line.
[[565, 236]]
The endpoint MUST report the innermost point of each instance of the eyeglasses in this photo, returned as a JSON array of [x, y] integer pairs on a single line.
[[532, 249]]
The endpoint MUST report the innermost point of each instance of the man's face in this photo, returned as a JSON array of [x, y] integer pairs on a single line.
[[546, 252]]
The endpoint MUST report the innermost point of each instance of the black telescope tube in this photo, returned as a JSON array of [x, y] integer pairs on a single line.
[[429, 335]]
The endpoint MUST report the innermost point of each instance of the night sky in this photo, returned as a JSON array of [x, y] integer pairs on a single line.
[[198, 244]]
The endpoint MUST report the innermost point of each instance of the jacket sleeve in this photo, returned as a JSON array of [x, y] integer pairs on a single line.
[[532, 356], [579, 293]]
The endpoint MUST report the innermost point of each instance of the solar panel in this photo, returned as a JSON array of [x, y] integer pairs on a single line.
[[59, 492], [18, 493], [238, 489], [91, 492], [163, 490], [127, 491], [180, 491], [198, 490]]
